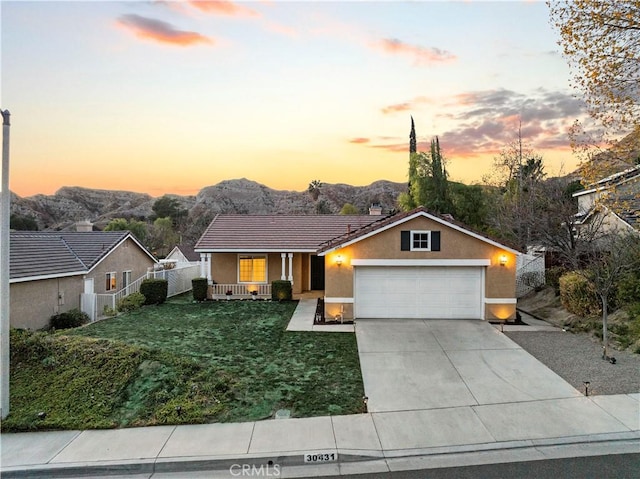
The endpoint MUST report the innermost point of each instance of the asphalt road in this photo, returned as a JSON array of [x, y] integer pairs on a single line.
[[614, 466]]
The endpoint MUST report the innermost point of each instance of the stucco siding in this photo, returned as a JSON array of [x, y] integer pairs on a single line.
[[224, 268], [126, 257], [34, 302], [499, 280]]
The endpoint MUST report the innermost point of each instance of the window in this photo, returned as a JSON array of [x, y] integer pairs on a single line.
[[111, 281], [252, 269], [420, 240]]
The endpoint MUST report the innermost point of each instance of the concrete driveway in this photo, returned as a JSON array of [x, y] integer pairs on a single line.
[[429, 364]]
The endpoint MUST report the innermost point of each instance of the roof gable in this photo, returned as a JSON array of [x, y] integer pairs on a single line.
[[32, 255], [264, 233], [37, 254], [399, 219]]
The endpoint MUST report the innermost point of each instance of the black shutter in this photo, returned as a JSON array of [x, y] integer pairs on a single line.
[[405, 241], [435, 241]]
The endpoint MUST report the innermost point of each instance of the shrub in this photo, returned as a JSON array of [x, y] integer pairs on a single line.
[[281, 291], [154, 290], [628, 289], [131, 303], [200, 287], [577, 295], [69, 319], [552, 277]]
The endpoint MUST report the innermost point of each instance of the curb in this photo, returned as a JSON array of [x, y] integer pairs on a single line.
[[289, 459]]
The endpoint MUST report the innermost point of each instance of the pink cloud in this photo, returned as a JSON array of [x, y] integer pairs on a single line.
[[159, 31], [223, 7], [422, 56], [405, 106], [359, 141]]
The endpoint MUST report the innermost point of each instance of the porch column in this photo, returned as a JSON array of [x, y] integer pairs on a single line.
[[203, 263], [291, 267], [283, 275], [209, 277]]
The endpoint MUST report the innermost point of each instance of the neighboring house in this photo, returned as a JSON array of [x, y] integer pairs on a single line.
[[409, 265], [182, 255], [50, 270], [615, 200]]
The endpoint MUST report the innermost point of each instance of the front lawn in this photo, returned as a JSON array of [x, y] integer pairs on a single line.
[[181, 362]]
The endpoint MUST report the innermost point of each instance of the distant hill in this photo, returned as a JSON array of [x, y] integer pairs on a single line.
[[619, 157], [68, 205]]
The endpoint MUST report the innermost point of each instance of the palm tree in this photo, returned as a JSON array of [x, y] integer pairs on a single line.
[[314, 189]]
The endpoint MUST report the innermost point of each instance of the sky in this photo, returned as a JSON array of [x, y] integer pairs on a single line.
[[169, 97]]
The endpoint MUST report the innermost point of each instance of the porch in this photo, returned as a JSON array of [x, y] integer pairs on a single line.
[[248, 291]]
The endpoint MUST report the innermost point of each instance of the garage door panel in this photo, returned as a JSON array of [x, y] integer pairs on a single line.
[[418, 292]]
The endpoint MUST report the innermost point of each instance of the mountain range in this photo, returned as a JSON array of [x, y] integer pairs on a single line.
[[71, 204]]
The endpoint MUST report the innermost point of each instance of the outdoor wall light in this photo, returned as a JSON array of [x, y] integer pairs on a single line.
[[503, 260], [339, 260]]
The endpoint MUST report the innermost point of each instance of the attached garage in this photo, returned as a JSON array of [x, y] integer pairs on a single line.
[[427, 292]]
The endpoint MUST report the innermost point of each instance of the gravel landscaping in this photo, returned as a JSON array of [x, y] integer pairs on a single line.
[[577, 358]]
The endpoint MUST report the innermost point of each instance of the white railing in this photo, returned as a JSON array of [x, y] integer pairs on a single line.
[[179, 278], [530, 273], [99, 306], [219, 291]]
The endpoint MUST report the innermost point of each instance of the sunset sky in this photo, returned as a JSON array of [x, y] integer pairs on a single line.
[[170, 97]]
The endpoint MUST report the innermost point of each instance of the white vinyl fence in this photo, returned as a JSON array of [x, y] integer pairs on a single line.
[[99, 306], [530, 273]]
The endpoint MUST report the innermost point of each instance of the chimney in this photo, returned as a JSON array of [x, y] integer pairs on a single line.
[[375, 210], [85, 226]]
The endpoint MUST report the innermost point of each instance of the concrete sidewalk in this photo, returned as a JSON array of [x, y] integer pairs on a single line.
[[479, 400], [374, 442]]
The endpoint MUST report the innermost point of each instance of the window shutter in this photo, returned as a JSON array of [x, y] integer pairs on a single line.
[[405, 241], [435, 241]]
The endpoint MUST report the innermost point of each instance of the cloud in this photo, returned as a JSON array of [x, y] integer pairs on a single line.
[[360, 140], [159, 31], [483, 122], [422, 56], [405, 106], [222, 7]]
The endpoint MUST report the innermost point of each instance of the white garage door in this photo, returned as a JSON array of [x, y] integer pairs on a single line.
[[418, 292]]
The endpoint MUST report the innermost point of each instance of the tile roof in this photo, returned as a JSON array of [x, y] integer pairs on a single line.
[[188, 252], [391, 220], [44, 253], [277, 232]]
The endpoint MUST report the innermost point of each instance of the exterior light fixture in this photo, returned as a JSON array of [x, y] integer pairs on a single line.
[[503, 260], [339, 260]]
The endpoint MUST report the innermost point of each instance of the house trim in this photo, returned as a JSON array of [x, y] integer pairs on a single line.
[[500, 301], [420, 262], [47, 276], [254, 250], [338, 300], [409, 218], [116, 245]]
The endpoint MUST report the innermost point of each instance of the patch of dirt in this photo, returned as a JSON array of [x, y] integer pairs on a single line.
[[546, 305]]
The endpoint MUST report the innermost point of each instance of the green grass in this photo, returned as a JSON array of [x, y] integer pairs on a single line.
[[181, 363]]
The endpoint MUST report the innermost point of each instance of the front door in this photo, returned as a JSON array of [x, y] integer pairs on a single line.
[[317, 272]]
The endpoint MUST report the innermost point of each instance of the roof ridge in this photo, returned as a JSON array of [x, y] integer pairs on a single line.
[[72, 251]]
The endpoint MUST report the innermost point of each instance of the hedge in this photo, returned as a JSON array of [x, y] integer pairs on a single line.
[[281, 291], [200, 287], [154, 290], [578, 296], [131, 302], [69, 319]]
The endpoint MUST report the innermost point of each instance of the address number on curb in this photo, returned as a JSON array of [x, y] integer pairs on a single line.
[[321, 457]]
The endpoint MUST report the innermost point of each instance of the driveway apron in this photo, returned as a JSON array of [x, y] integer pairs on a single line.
[[429, 364]]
